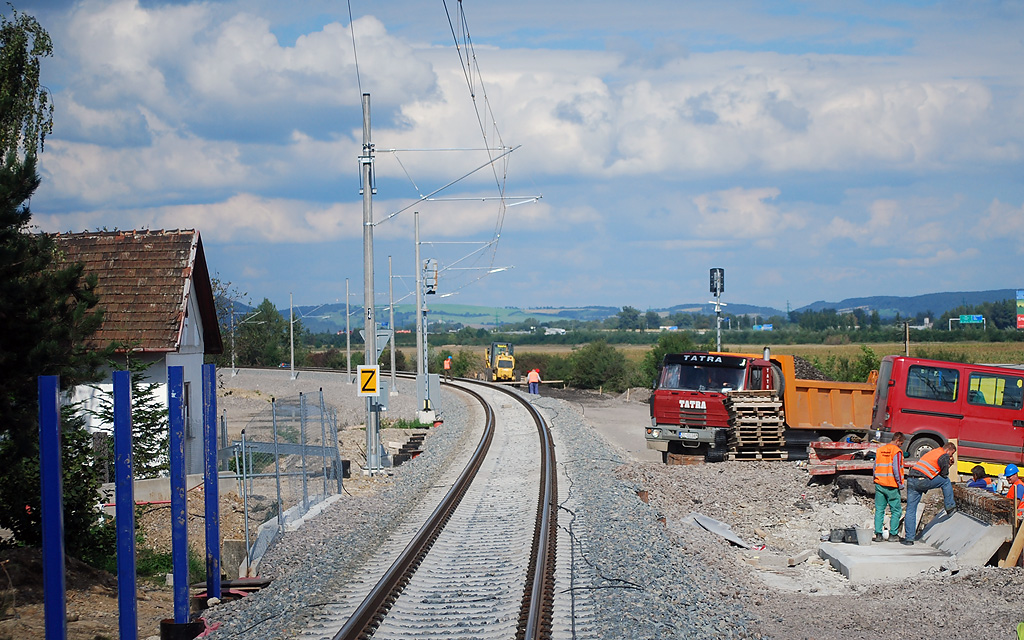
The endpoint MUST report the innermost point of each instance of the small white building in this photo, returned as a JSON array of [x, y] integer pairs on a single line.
[[154, 287]]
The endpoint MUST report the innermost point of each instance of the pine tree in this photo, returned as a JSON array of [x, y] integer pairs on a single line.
[[150, 428], [46, 312]]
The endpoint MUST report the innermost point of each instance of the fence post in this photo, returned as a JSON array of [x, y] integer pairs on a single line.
[[179, 499], [124, 491], [245, 508], [302, 438], [323, 441], [277, 468], [211, 485], [52, 505]]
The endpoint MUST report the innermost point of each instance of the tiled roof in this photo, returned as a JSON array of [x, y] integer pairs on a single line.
[[144, 281]]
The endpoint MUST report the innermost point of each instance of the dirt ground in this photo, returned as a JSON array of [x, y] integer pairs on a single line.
[[778, 505], [769, 503], [92, 611]]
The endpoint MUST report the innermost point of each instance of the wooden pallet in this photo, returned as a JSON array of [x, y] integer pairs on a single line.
[[770, 442], [759, 454]]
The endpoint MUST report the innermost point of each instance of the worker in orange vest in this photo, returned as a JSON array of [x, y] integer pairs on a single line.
[[448, 368], [930, 472], [533, 378], [1016, 490], [888, 484]]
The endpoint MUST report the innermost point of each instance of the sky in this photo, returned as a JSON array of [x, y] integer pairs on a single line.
[[563, 154]]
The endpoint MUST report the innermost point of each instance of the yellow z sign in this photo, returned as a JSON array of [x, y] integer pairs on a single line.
[[369, 380]]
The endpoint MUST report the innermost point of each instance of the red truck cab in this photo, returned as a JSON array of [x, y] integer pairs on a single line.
[[933, 401], [688, 413]]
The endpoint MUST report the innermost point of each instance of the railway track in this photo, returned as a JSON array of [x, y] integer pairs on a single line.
[[477, 561]]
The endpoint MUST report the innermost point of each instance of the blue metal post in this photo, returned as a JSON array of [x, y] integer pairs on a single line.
[[52, 491], [179, 516], [124, 492], [210, 484]]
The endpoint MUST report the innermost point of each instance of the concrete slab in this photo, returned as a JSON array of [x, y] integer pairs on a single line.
[[881, 561], [972, 541]]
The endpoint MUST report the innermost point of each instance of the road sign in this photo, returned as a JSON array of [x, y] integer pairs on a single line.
[[369, 380], [972, 319], [383, 337]]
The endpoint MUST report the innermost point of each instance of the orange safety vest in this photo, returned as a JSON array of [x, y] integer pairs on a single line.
[[1012, 495], [929, 463], [533, 376], [447, 364], [884, 458]]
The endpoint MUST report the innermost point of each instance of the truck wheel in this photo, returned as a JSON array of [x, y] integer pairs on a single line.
[[780, 381], [921, 446], [721, 438], [715, 455]]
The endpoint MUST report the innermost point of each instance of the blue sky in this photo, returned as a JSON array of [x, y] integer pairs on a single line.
[[815, 150]]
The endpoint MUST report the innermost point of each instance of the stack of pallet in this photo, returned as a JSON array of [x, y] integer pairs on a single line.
[[756, 424]]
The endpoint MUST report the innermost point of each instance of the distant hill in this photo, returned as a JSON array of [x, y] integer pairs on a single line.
[[937, 303], [330, 318], [734, 308]]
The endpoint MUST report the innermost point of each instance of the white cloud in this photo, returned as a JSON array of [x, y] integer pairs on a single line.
[[742, 213], [999, 222]]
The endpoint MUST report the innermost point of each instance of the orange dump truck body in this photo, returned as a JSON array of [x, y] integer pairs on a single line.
[[819, 405]]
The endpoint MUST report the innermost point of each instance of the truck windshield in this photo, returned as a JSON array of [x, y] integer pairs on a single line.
[[700, 378]]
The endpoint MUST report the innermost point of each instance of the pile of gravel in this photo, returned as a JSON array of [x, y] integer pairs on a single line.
[[626, 566], [807, 371]]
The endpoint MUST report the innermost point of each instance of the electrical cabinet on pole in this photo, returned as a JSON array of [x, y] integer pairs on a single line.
[[369, 321]]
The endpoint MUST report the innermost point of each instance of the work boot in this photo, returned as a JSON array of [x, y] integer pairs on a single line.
[[877, 538], [950, 511], [909, 543]]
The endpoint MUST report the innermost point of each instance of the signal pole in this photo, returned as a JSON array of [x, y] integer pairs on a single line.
[[369, 321], [421, 342]]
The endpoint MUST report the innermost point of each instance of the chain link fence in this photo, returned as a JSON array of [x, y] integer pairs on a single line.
[[286, 463]]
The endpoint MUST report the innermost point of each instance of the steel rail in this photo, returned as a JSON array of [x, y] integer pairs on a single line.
[[538, 593], [374, 607]]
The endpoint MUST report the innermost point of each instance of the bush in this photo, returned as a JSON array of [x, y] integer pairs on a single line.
[[598, 365], [846, 369]]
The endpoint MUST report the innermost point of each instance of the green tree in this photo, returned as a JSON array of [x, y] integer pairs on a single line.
[[597, 365], [26, 113], [629, 319], [652, 319], [263, 341], [225, 297], [47, 309], [150, 428]]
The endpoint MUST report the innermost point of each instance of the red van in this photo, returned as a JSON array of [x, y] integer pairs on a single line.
[[932, 401]]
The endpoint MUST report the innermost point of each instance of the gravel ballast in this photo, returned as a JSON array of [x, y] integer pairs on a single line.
[[643, 570]]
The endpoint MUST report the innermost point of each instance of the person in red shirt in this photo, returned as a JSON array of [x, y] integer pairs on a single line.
[[534, 379]]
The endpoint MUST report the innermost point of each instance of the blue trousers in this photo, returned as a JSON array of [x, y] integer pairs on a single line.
[[535, 388], [917, 487]]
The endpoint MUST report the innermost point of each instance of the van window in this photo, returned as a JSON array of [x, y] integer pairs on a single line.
[[932, 383], [995, 390]]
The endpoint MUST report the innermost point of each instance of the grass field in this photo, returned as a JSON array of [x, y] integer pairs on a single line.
[[984, 352]]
